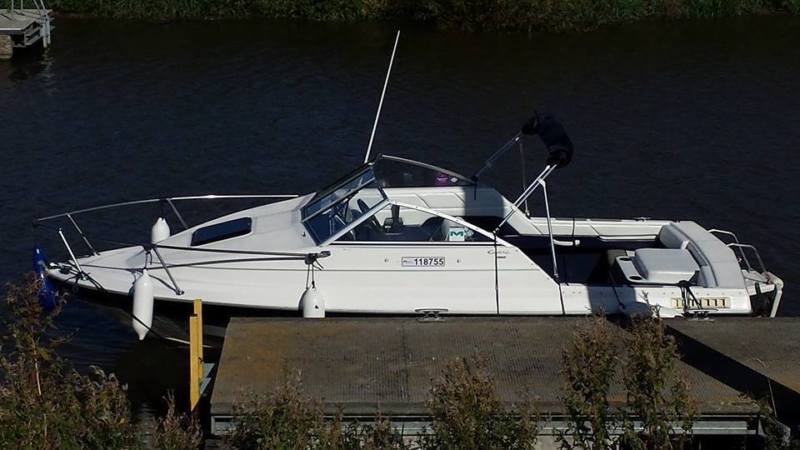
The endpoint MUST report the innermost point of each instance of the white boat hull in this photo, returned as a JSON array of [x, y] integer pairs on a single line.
[[374, 260]]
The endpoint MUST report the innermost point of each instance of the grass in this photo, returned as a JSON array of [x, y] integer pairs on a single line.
[[460, 14]]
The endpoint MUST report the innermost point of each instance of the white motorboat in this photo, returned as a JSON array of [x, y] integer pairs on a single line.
[[398, 236]]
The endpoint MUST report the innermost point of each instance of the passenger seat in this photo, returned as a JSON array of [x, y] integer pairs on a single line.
[[719, 267]]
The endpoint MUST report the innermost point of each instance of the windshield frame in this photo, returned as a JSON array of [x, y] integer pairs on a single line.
[[316, 201], [319, 207], [352, 225], [332, 188], [411, 162]]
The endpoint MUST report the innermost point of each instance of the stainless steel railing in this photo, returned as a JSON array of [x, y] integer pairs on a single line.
[[170, 201], [70, 216], [736, 244]]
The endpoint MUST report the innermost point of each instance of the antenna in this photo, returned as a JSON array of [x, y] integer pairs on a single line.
[[383, 94]]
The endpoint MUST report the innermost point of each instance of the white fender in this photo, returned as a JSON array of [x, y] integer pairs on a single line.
[[160, 230], [142, 305], [313, 303]]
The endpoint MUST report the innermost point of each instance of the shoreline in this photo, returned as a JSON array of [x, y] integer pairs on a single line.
[[525, 15]]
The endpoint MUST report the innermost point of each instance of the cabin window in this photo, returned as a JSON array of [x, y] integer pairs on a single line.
[[400, 224], [222, 231]]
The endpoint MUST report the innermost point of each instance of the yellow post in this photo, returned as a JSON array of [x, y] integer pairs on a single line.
[[195, 353], [198, 312]]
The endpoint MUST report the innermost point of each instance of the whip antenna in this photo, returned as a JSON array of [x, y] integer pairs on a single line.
[[380, 104]]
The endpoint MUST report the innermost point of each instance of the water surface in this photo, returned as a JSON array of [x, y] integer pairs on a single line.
[[676, 120]]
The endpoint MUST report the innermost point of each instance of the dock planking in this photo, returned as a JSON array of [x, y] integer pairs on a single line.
[[14, 23], [362, 366], [26, 27], [759, 357]]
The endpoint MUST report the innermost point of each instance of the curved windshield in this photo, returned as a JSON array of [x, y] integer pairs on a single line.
[[396, 172], [346, 201], [342, 204], [339, 190]]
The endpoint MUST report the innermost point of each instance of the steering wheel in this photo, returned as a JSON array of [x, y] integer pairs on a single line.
[[372, 222], [432, 226], [362, 205]]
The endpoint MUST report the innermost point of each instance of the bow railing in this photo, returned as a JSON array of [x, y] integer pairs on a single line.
[[153, 248]]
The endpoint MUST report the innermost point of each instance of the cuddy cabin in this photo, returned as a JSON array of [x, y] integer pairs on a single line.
[[398, 236]]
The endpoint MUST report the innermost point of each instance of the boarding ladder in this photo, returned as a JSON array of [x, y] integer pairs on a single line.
[[758, 280]]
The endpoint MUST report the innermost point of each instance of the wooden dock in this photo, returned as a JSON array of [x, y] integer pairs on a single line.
[[22, 27], [361, 366]]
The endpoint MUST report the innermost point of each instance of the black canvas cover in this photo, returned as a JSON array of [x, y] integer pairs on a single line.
[[553, 136]]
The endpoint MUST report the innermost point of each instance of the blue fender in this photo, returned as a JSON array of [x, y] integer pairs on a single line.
[[47, 290]]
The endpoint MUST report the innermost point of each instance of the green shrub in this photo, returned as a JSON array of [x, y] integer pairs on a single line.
[[46, 405], [463, 14], [289, 419], [656, 395], [176, 431], [589, 367], [466, 413], [380, 435]]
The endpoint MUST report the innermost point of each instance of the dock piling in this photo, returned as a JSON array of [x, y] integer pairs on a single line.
[[6, 47]]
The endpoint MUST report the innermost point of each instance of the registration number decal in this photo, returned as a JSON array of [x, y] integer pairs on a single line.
[[423, 261]]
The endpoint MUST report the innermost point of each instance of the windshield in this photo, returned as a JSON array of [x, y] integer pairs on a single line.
[[396, 172], [341, 204], [339, 190], [348, 199]]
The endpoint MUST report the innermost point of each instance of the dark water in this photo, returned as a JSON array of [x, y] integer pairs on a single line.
[[694, 120]]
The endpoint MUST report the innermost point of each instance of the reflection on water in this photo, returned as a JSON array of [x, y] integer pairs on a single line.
[[670, 120]]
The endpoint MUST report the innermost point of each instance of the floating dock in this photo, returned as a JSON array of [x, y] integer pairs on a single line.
[[22, 27], [362, 366], [759, 357]]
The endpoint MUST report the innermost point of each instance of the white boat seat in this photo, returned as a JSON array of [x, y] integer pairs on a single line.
[[719, 267], [659, 266]]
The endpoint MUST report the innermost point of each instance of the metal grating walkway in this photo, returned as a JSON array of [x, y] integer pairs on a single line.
[[366, 365]]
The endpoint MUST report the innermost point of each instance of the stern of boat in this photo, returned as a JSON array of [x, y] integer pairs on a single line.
[[764, 287], [765, 290]]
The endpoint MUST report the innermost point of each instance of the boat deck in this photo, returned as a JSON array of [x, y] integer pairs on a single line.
[[361, 366]]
